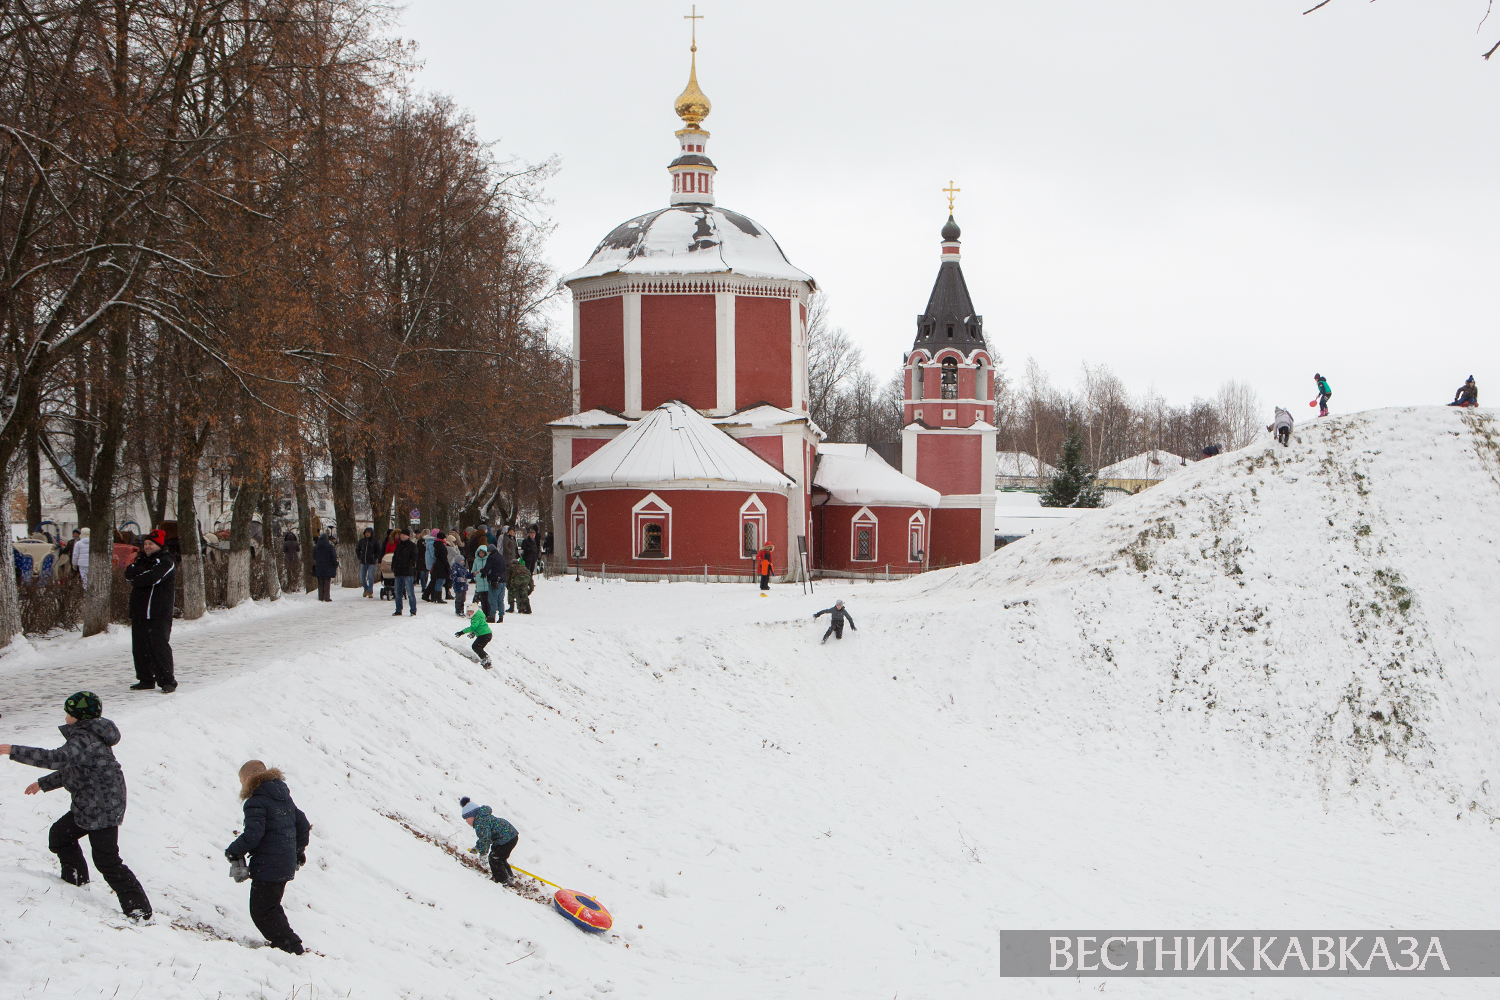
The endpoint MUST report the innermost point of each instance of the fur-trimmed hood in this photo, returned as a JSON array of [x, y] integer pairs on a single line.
[[269, 774]]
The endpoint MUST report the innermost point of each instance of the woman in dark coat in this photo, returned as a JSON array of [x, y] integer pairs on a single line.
[[325, 566], [275, 837]]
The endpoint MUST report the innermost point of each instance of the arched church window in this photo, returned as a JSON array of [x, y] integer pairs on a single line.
[[652, 537], [864, 544], [950, 378], [750, 538], [950, 331]]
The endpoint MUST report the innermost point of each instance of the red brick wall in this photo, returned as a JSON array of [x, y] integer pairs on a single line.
[[955, 537], [950, 463], [678, 336], [768, 448], [835, 526], [762, 351], [601, 352], [584, 447], [705, 529]]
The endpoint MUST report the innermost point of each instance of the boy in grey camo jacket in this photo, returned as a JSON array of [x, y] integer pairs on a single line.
[[85, 765]]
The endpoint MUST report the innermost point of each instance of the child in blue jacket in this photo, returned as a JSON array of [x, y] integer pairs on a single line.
[[460, 577], [496, 837]]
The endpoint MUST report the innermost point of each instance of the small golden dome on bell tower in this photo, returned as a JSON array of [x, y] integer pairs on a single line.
[[692, 104]]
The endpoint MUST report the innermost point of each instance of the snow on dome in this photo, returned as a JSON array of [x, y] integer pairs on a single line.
[[855, 474], [673, 446], [690, 239], [1146, 465]]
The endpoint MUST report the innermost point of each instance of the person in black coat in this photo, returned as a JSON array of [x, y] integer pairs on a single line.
[[291, 550], [530, 550], [325, 566], [152, 578], [85, 765], [404, 569], [368, 551], [275, 838]]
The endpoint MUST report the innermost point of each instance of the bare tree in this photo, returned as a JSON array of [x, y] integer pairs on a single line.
[[832, 363], [1239, 413], [1488, 7]]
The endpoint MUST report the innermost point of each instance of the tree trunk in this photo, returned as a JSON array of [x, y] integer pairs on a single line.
[[96, 611], [33, 480], [189, 541], [270, 548], [380, 499], [304, 523], [343, 513], [10, 600], [237, 589]]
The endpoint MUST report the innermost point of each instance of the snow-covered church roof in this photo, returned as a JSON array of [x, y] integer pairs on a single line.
[[673, 446], [855, 474], [690, 239]]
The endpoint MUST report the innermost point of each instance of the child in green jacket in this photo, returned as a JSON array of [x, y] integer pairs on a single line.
[[480, 629]]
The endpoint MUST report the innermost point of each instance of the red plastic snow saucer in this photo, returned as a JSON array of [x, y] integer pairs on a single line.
[[584, 911]]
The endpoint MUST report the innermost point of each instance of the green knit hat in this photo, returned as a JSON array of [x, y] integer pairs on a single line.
[[84, 705]]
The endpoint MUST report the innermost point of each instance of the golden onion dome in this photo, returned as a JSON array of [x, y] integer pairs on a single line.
[[692, 104]]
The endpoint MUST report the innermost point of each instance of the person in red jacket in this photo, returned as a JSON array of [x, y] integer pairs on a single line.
[[763, 567]]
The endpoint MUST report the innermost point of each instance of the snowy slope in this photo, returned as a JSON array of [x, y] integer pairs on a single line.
[[1079, 730], [1329, 605]]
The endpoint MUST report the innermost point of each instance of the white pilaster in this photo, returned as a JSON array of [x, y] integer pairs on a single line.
[[724, 349], [799, 362], [632, 306], [909, 451], [577, 354], [562, 461]]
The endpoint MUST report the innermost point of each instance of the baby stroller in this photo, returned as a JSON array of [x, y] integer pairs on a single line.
[[387, 578]]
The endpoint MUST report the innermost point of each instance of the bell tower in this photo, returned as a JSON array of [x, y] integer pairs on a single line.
[[948, 442]]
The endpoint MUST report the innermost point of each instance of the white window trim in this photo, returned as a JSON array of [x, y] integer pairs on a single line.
[[640, 517], [864, 517], [920, 523], [578, 513], [752, 510]]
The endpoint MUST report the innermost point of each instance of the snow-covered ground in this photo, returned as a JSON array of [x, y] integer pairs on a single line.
[[1261, 694]]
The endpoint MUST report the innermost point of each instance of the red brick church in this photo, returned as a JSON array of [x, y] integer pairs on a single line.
[[690, 445]]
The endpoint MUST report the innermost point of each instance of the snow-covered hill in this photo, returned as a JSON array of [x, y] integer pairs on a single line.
[[1255, 695], [1328, 606]]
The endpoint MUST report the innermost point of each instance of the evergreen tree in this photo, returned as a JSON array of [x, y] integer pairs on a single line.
[[1075, 484]]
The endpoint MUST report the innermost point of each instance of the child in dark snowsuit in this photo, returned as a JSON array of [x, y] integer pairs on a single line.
[[496, 837], [836, 621], [1467, 395], [275, 837], [482, 633], [459, 576], [519, 583], [86, 766]]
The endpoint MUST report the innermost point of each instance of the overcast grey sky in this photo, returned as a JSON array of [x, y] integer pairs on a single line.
[[1185, 191]]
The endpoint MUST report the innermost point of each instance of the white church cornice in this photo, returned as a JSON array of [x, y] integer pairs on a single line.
[[589, 289]]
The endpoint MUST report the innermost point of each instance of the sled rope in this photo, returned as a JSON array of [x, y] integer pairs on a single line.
[[537, 877]]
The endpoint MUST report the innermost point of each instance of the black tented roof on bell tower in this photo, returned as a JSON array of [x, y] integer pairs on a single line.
[[950, 320]]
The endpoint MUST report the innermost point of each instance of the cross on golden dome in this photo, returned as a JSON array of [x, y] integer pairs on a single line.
[[951, 191]]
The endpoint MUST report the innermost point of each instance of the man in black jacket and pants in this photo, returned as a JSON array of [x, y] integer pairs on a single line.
[[152, 578], [404, 569], [367, 551]]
